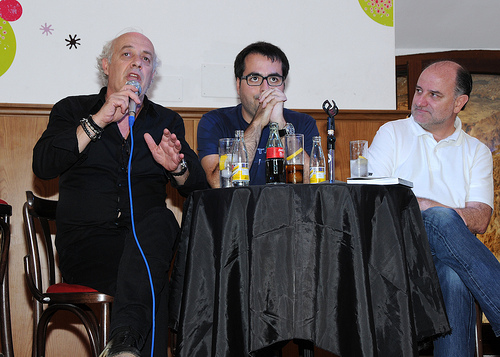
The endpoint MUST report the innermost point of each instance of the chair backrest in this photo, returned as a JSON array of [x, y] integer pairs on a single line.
[[40, 271], [4, 249], [5, 211], [39, 217], [5, 321]]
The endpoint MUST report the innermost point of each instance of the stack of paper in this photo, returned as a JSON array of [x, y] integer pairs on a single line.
[[379, 181]]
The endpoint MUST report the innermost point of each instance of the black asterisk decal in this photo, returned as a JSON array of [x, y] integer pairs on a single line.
[[73, 41]]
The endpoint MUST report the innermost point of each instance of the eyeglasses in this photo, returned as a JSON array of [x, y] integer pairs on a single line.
[[274, 80]]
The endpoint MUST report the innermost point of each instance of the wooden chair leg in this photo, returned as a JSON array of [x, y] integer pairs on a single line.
[[479, 331], [88, 322], [104, 327], [5, 323]]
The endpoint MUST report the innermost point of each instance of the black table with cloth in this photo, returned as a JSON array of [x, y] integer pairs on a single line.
[[345, 266]]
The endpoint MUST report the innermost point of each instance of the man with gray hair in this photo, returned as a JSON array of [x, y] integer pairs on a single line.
[[452, 174], [87, 144]]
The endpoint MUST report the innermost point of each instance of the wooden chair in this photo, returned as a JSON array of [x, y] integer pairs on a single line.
[[38, 214], [5, 326]]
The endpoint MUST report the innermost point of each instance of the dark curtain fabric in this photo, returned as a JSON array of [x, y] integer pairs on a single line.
[[345, 266]]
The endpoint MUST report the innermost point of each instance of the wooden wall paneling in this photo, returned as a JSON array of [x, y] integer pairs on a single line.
[[20, 127], [18, 136], [174, 200]]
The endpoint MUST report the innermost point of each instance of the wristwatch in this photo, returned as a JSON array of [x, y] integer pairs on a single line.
[[184, 168], [287, 130]]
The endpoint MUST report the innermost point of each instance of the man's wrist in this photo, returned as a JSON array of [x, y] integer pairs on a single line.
[[98, 120], [181, 169], [90, 128]]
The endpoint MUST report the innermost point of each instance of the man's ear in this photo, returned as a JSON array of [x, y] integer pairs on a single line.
[[238, 83], [460, 102], [105, 66]]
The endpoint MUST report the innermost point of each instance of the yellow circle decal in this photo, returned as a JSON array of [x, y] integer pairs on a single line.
[[380, 11], [7, 46]]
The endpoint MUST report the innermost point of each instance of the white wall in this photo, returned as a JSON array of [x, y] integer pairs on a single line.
[[445, 25], [335, 50]]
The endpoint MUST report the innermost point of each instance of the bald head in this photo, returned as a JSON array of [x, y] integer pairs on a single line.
[[111, 46], [462, 77]]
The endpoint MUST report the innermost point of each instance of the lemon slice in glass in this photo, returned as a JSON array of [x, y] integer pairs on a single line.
[[294, 154]]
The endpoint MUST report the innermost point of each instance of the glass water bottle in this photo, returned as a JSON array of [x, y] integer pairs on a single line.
[[239, 157], [317, 168]]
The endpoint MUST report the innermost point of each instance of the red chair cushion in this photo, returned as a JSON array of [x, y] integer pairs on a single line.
[[2, 202], [69, 288]]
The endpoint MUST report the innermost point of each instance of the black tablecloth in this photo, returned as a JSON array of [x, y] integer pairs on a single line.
[[345, 266]]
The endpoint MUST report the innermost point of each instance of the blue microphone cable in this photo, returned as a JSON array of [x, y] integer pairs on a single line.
[[131, 120]]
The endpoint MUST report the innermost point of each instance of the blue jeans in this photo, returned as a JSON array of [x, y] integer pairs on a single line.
[[467, 270], [461, 312]]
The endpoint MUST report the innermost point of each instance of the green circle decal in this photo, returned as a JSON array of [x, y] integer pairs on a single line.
[[380, 11], [7, 46]]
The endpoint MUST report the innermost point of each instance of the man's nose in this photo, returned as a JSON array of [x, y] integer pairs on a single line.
[[420, 100], [137, 62], [264, 86]]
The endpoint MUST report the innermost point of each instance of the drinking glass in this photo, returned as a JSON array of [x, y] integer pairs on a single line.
[[359, 163], [294, 151]]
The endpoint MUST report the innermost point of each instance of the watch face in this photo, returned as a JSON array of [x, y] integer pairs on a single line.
[[289, 129]]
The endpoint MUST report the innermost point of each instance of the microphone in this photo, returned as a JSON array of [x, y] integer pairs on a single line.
[[132, 106], [331, 111]]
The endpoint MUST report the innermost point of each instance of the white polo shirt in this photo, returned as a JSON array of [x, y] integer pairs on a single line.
[[453, 171]]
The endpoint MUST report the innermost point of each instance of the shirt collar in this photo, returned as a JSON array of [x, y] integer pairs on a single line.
[[458, 130], [419, 131]]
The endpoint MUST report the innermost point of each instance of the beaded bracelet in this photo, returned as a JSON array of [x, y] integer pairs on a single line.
[[83, 124], [95, 128], [91, 131]]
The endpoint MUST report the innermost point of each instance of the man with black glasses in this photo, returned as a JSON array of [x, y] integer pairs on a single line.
[[261, 70]]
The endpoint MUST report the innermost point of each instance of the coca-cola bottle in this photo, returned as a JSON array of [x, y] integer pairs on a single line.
[[239, 157], [275, 157], [317, 169]]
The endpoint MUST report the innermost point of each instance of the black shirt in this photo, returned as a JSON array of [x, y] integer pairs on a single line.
[[93, 186]]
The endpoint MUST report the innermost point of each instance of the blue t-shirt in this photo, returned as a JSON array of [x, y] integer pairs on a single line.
[[223, 122]]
